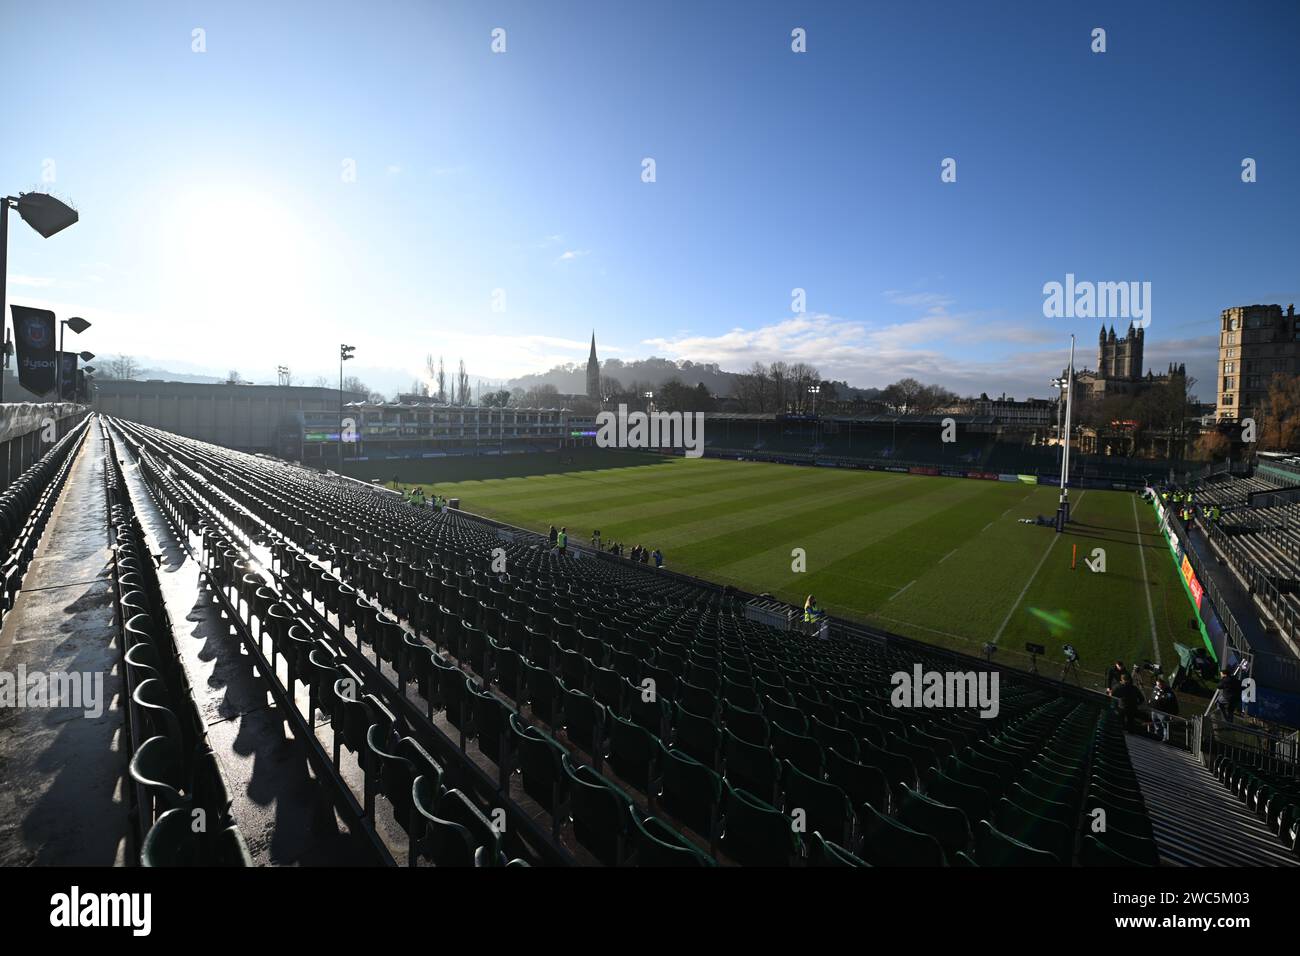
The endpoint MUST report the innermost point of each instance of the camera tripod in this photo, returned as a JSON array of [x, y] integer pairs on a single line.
[[1071, 667]]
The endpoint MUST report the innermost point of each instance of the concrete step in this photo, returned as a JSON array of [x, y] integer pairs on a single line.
[[1196, 820]]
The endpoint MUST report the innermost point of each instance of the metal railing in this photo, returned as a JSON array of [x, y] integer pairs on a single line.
[[1242, 743]]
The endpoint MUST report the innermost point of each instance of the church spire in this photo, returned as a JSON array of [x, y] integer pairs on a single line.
[[593, 372]]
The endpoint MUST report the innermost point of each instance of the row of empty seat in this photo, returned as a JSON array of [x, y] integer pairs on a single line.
[[642, 719], [182, 802]]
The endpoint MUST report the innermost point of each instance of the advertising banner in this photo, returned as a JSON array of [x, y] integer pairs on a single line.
[[1193, 585], [34, 338]]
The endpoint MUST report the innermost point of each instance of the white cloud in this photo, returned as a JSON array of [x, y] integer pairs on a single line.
[[933, 348], [569, 255], [31, 282]]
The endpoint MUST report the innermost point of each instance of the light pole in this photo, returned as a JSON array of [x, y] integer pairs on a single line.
[[78, 325], [43, 213], [1059, 385], [1063, 513], [814, 391], [345, 354]]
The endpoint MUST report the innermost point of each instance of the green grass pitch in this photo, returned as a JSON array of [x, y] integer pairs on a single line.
[[943, 560]]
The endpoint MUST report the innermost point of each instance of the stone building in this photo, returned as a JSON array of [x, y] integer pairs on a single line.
[[1256, 342]]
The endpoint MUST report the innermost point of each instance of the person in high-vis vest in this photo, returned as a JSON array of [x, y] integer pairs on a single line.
[[810, 610], [562, 539]]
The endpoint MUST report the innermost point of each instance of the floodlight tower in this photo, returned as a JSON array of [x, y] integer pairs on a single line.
[[345, 355], [47, 216], [1063, 512]]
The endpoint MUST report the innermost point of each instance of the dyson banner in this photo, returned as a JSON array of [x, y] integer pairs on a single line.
[[34, 337]]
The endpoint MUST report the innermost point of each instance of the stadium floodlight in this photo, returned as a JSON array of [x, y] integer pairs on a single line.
[[86, 356], [43, 213], [78, 325], [1063, 511], [345, 355]]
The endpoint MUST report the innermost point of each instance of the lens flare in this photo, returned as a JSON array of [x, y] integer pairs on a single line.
[[1057, 623]]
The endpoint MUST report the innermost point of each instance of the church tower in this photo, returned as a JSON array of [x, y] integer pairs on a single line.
[[593, 372]]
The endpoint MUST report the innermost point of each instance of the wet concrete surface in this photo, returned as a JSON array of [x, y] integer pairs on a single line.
[[63, 770]]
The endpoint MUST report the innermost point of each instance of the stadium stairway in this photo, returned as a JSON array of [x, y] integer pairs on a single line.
[[1196, 821], [61, 793]]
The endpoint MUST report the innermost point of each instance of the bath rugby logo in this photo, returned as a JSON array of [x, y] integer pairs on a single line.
[[36, 333]]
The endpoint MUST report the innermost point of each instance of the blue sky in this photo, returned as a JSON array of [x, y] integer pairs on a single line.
[[218, 230]]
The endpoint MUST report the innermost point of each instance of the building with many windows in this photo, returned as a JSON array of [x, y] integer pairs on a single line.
[[422, 430], [1256, 342]]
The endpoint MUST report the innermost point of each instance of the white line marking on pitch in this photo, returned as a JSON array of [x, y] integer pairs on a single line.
[[986, 527], [1146, 586], [903, 588], [1025, 590], [948, 555]]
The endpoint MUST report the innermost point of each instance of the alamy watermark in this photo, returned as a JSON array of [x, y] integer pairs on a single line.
[[82, 690], [622, 429], [1098, 300], [947, 689]]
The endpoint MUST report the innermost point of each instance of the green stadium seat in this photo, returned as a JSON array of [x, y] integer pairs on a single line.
[[804, 752], [632, 752], [995, 848], [755, 833], [691, 793], [975, 802], [946, 824], [886, 842], [654, 843], [601, 813], [584, 722], [539, 764], [863, 784], [697, 735], [825, 807], [822, 852], [171, 841], [1092, 852], [156, 766], [749, 767], [838, 737], [749, 725]]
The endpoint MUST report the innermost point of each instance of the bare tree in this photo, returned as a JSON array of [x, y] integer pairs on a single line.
[[462, 385], [779, 374], [123, 367]]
